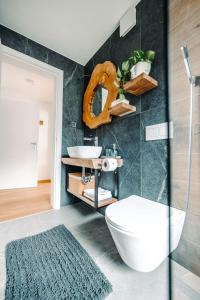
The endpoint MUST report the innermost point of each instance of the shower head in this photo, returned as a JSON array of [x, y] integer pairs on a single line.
[[185, 53]]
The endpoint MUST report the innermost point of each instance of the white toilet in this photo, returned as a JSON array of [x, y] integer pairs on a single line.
[[140, 230]]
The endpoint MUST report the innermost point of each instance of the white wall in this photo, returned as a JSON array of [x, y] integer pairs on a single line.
[[45, 141]]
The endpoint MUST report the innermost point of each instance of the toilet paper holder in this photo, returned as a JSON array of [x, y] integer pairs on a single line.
[[109, 164]]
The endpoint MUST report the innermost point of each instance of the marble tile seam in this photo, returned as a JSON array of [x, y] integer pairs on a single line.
[[163, 185], [69, 79], [158, 155], [130, 168]]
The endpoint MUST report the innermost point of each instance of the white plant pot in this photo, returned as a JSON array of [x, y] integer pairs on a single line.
[[139, 68]]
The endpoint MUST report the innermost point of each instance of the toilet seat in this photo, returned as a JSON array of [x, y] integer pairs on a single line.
[[138, 216]]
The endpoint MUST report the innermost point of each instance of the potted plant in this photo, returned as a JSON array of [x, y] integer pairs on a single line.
[[123, 75], [140, 62]]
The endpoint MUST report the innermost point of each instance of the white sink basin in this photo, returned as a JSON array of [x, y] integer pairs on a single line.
[[84, 151]]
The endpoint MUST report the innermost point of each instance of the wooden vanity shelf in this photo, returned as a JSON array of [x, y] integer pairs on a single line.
[[141, 84], [91, 163], [92, 203], [95, 164], [122, 109]]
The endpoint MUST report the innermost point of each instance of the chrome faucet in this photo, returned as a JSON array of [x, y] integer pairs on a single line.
[[92, 138]]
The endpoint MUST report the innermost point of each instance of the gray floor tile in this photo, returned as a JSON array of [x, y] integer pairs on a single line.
[[91, 231]]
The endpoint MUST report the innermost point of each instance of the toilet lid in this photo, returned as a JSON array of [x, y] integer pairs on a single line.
[[138, 215]]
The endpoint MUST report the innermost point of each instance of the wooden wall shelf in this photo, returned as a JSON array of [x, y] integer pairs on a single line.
[[92, 203], [141, 84], [92, 163], [122, 109]]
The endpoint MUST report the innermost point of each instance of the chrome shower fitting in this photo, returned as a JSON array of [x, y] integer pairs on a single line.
[[193, 79], [194, 82], [85, 178]]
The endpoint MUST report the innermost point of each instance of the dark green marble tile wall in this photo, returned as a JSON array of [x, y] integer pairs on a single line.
[[145, 171], [72, 91]]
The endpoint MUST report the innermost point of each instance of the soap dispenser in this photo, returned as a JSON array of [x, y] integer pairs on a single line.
[[115, 152]]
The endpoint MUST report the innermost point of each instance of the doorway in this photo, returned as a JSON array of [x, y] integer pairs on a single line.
[[30, 134]]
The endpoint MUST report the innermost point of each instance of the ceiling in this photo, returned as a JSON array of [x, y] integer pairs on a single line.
[[73, 28], [21, 82]]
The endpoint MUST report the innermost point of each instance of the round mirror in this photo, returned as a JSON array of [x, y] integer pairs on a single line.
[[99, 100]]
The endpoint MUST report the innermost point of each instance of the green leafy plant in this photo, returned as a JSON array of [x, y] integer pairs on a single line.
[[149, 56], [140, 55], [123, 75]]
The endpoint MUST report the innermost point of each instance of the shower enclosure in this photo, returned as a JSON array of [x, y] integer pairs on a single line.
[[184, 106]]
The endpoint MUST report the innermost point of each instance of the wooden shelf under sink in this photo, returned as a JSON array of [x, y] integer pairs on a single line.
[[91, 163], [122, 109], [90, 202], [140, 84]]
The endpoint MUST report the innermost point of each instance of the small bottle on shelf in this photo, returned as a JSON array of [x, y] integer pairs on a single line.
[[115, 151]]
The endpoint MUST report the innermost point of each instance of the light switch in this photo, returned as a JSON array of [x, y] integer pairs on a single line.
[[157, 132]]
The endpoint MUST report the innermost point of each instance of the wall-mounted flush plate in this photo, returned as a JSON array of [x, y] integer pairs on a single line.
[[159, 131]]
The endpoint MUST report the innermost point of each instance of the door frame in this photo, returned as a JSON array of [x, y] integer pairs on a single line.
[[57, 120]]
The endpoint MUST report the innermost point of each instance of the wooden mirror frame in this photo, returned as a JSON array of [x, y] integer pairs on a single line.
[[103, 74]]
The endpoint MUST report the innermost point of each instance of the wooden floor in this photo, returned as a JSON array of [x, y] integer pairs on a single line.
[[16, 203]]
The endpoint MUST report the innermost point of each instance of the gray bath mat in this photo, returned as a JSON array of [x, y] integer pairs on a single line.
[[52, 265]]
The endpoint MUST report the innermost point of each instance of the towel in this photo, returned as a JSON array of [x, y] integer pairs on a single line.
[[102, 194]]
